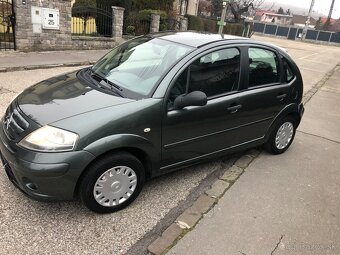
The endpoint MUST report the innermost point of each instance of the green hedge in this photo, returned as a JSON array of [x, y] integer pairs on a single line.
[[208, 25], [195, 23], [233, 29]]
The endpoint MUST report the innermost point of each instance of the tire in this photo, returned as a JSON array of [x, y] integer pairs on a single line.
[[277, 147], [105, 186]]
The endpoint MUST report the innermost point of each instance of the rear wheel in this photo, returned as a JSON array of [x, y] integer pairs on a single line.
[[112, 182], [281, 136]]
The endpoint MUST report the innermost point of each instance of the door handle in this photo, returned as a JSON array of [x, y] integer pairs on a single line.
[[281, 96], [234, 108]]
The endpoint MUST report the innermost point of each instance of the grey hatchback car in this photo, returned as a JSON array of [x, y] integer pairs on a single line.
[[154, 104]]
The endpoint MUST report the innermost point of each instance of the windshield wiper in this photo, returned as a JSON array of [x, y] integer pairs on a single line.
[[105, 83]]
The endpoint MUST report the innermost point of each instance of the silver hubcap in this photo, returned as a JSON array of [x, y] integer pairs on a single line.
[[115, 186], [284, 135]]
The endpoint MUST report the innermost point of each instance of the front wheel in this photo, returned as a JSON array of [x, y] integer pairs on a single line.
[[281, 136], [112, 182]]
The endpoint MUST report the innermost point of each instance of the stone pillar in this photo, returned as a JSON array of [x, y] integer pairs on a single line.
[[155, 21], [117, 21], [183, 24]]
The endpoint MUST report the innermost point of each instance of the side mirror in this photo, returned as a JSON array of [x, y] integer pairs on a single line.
[[195, 98]]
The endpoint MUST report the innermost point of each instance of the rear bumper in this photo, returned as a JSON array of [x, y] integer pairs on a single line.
[[43, 176], [301, 111]]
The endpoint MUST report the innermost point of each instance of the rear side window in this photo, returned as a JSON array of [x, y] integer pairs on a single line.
[[289, 75], [263, 67]]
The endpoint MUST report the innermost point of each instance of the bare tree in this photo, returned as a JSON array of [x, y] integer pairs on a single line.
[[239, 7], [328, 21], [205, 7]]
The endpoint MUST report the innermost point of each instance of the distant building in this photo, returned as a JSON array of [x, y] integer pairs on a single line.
[[336, 26], [323, 20], [280, 19], [192, 7], [300, 20], [183, 7]]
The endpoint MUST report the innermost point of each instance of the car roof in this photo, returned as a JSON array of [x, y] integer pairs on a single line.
[[193, 38]]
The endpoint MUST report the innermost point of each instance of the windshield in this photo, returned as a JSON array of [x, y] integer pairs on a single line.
[[137, 65]]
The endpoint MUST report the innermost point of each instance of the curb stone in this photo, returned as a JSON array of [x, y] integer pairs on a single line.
[[49, 66], [310, 93], [192, 215], [217, 189]]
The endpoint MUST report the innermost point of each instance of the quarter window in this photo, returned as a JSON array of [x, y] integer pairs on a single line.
[[288, 71], [263, 67]]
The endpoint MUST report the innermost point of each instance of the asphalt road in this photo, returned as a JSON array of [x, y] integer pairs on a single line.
[[30, 227]]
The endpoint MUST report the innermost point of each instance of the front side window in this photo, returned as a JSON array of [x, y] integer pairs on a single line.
[[215, 74], [263, 67], [137, 65]]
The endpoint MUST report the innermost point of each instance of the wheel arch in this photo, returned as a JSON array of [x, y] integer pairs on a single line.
[[289, 110], [137, 146]]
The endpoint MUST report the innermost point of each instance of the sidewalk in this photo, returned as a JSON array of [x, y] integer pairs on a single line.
[[14, 61], [285, 204]]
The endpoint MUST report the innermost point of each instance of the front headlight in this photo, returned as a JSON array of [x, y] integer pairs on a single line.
[[50, 139]]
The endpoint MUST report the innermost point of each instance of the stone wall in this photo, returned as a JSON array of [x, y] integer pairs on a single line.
[[61, 39], [26, 40]]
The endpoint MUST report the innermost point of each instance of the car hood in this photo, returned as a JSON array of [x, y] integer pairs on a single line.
[[62, 97]]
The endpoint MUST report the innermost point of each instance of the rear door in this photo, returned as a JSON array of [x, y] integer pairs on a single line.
[[266, 92]]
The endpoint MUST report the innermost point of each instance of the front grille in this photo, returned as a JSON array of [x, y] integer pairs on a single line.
[[14, 124]]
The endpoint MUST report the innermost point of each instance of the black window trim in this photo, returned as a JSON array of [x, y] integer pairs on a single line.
[[285, 80], [246, 68]]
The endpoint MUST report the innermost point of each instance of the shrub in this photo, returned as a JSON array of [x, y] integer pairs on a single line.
[[210, 25], [195, 23], [130, 30]]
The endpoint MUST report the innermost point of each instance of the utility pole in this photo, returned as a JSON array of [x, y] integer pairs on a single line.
[[304, 32], [222, 23], [328, 22]]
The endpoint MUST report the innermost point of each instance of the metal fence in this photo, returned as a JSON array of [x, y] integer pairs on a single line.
[[169, 23], [7, 25], [92, 21], [135, 25], [292, 32]]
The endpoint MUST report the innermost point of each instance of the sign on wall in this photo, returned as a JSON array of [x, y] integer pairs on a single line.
[[45, 18], [50, 18]]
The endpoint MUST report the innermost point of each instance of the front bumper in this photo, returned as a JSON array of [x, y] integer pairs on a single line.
[[42, 176]]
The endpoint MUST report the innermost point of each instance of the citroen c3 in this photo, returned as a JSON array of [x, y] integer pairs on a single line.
[[154, 104]]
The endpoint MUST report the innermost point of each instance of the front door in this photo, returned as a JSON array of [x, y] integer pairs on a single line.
[[194, 132]]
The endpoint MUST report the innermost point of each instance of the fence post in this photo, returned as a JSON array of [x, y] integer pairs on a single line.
[[155, 21], [117, 21], [183, 24]]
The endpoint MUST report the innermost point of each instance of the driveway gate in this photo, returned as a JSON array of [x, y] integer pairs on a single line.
[[7, 25]]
